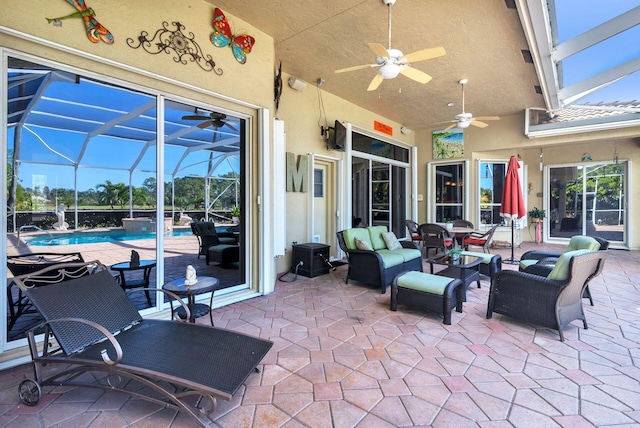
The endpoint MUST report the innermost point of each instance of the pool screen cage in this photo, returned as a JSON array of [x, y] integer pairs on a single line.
[[74, 140]]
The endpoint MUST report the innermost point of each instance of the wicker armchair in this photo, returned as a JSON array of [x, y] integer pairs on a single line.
[[552, 301], [208, 236], [436, 237], [541, 263]]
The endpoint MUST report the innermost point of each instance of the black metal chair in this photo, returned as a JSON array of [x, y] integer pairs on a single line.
[[480, 239], [551, 301], [414, 231]]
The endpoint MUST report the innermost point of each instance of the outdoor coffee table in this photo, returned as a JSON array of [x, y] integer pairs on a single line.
[[466, 268], [205, 284]]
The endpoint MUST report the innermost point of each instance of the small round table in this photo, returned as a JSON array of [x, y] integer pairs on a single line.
[[205, 284], [145, 266]]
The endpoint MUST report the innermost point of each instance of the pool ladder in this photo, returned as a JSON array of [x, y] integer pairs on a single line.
[[32, 228]]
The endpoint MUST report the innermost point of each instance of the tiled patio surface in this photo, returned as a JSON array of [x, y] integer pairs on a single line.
[[341, 358]]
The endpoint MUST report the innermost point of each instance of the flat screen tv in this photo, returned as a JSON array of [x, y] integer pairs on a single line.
[[337, 139]]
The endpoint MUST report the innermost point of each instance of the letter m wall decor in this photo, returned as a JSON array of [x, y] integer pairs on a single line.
[[297, 173]]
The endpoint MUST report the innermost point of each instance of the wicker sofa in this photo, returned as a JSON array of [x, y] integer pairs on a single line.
[[380, 266]]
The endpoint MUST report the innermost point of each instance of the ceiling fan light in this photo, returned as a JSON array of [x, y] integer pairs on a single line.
[[389, 71], [462, 124]]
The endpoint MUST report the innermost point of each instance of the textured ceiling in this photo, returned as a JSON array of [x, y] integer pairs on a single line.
[[483, 40]]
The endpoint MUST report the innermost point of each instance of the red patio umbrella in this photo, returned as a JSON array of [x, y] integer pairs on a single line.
[[512, 204]]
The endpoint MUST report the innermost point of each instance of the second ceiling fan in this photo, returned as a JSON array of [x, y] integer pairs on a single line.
[[215, 119], [391, 62], [464, 119]]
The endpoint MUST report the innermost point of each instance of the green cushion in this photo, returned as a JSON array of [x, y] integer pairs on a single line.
[[486, 257], [390, 258], [349, 236], [560, 271], [526, 263], [581, 242], [408, 253], [426, 282], [375, 235]]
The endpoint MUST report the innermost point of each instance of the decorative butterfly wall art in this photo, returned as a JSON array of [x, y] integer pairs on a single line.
[[95, 30], [222, 36]]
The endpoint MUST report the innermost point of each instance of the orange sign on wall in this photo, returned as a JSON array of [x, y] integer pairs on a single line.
[[381, 127]]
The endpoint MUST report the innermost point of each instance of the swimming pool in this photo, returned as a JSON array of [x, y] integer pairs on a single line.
[[96, 237]]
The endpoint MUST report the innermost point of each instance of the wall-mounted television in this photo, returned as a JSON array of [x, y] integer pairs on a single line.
[[337, 137]]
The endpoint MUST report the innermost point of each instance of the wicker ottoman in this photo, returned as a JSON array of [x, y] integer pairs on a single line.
[[490, 265], [436, 293], [223, 254]]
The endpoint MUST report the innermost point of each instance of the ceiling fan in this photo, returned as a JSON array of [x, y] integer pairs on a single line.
[[391, 62], [215, 119], [464, 119]]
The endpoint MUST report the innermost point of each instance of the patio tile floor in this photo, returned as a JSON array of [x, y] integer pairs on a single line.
[[342, 358]]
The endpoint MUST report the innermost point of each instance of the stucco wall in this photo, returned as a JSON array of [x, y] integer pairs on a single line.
[[506, 137]]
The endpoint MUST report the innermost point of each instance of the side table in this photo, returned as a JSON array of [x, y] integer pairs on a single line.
[[145, 266], [205, 284], [466, 269]]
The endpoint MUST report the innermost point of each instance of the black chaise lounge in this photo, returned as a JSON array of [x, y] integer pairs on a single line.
[[102, 342]]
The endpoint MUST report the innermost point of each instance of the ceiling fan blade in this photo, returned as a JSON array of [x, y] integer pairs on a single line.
[[377, 80], [356, 67], [453, 125], [230, 126], [417, 75], [479, 124], [423, 54], [379, 50], [487, 118], [195, 117], [205, 124]]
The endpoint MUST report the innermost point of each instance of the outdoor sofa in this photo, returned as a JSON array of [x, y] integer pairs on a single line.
[[379, 265]]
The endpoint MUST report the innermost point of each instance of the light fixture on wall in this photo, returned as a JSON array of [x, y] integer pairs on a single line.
[[541, 163], [297, 84]]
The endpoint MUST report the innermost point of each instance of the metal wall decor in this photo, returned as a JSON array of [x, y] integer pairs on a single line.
[[95, 30], [185, 47], [222, 36]]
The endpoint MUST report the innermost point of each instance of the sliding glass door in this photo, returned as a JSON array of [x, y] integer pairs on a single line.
[[589, 200]]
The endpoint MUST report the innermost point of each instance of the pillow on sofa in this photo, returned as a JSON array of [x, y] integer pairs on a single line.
[[391, 241], [362, 245]]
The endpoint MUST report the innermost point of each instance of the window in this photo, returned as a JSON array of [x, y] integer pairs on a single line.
[[449, 191], [318, 183], [492, 176]]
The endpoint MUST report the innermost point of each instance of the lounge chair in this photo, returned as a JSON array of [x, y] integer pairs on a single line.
[[28, 263], [103, 342], [208, 236]]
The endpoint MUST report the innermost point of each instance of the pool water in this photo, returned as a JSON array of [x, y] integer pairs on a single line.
[[97, 237]]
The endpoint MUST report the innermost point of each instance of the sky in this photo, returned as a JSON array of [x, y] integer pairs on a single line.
[[577, 16]]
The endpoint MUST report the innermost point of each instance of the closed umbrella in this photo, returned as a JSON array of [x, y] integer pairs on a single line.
[[512, 204]]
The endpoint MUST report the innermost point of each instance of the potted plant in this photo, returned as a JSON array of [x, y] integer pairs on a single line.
[[537, 215], [454, 253], [235, 214]]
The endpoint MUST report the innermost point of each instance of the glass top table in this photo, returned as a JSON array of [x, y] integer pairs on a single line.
[[466, 268]]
